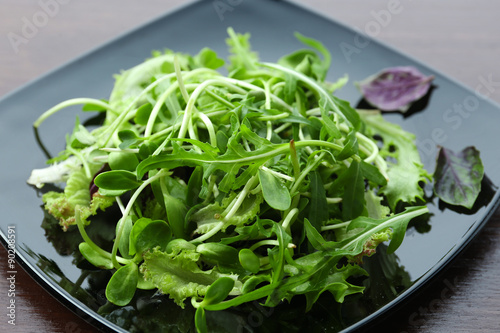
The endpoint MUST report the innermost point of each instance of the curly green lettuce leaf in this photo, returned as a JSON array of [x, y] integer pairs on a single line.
[[178, 275], [62, 205], [406, 170], [211, 215]]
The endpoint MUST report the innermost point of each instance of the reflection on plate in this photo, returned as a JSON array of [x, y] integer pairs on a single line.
[[52, 260]]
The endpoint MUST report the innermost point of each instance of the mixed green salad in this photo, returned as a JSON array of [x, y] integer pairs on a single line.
[[256, 185]]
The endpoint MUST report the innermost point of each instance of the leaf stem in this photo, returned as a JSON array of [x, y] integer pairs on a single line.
[[70, 102], [128, 208]]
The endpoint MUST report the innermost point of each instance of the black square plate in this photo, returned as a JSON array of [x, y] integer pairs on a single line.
[[425, 251]]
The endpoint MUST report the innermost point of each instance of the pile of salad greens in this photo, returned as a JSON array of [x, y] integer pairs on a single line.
[[256, 185]]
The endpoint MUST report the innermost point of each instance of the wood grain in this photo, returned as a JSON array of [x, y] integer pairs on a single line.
[[457, 37]]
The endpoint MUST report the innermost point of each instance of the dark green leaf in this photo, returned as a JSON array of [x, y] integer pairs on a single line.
[[195, 184], [317, 241], [200, 321], [218, 291], [117, 180], [318, 207], [353, 200], [176, 213], [222, 140], [249, 260], [147, 234], [372, 173], [218, 253], [253, 282], [348, 111], [350, 147], [147, 149], [127, 135], [329, 124]]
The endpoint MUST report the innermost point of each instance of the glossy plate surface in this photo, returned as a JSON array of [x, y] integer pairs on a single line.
[[429, 245]]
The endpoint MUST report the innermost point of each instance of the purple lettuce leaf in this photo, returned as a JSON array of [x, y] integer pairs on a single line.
[[458, 176], [395, 88]]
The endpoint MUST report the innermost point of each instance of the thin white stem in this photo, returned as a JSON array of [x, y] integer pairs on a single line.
[[127, 210], [335, 226], [278, 174], [289, 217], [71, 102], [209, 234], [239, 199]]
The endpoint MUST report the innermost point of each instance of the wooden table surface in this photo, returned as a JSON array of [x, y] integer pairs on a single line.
[[457, 37]]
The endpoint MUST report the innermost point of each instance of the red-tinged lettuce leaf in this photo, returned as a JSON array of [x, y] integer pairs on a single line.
[[458, 176], [395, 88]]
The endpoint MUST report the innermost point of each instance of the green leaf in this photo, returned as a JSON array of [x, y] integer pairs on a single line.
[[170, 194], [348, 111], [178, 274], [372, 173], [94, 257], [275, 192], [122, 285], [406, 170], [397, 222], [350, 147], [253, 282], [218, 291], [84, 136], [458, 176], [200, 321], [329, 124], [249, 260], [195, 184], [374, 207], [127, 135], [334, 282], [93, 107], [208, 58], [320, 68], [117, 180], [242, 58], [62, 205], [318, 208], [124, 246], [218, 253], [353, 201], [317, 241], [122, 161], [142, 114], [147, 234]]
